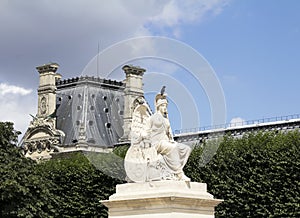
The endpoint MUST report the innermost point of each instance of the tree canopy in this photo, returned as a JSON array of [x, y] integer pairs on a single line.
[[257, 175], [23, 192]]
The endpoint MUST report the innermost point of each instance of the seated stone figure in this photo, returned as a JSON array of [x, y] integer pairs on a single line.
[[153, 154]]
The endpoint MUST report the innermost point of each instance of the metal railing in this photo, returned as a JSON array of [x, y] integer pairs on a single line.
[[238, 124]]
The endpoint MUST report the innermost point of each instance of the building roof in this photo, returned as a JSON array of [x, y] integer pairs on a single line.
[[89, 110]]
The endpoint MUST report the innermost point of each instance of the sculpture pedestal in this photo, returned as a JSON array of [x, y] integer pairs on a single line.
[[162, 199]]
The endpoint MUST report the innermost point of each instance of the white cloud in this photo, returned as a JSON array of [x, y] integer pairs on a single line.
[[178, 12], [16, 109], [16, 105], [237, 121], [68, 32], [170, 16], [11, 89]]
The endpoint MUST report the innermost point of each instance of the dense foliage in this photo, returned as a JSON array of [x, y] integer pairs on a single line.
[[78, 186], [23, 192], [257, 176], [64, 187]]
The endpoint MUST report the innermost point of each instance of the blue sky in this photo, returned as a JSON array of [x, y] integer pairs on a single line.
[[253, 47]]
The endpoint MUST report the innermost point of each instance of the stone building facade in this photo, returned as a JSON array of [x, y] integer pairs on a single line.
[[81, 114]]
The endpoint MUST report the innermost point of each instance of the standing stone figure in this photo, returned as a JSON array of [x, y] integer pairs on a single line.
[[153, 154]]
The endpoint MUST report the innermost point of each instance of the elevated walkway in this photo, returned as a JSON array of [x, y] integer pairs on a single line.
[[283, 123]]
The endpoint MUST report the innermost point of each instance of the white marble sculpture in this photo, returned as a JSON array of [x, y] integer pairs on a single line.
[[153, 154]]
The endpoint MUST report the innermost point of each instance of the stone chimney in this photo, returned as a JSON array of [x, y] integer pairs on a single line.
[[47, 89], [133, 89]]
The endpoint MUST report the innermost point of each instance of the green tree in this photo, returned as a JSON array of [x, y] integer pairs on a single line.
[[78, 185], [257, 175], [23, 192]]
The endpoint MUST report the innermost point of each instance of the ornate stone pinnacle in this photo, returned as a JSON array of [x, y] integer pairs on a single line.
[[130, 69], [51, 67]]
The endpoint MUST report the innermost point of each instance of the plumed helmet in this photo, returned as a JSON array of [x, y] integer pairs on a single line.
[[160, 99]]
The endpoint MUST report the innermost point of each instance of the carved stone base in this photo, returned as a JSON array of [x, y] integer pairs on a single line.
[[161, 199]]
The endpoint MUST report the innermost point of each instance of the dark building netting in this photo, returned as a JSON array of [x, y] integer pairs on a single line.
[[90, 111]]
